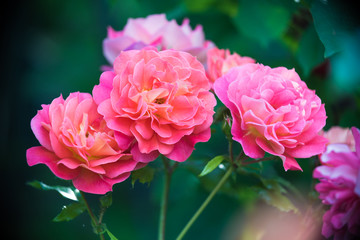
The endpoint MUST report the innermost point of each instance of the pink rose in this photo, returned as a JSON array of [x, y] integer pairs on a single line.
[[77, 145], [339, 187], [155, 30], [273, 111], [157, 101], [340, 135], [220, 61]]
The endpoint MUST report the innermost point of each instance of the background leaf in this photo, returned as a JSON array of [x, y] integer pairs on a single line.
[[333, 20], [106, 200], [211, 165], [143, 175], [112, 237], [67, 192], [273, 194], [70, 212], [262, 20], [310, 52]]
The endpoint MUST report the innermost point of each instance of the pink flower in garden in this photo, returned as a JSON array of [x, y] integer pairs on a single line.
[[77, 145], [339, 187], [273, 111], [220, 61], [340, 135], [157, 101], [155, 30]]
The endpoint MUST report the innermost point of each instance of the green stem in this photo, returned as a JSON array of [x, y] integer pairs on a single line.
[[91, 214], [165, 197], [231, 151], [258, 160], [205, 203]]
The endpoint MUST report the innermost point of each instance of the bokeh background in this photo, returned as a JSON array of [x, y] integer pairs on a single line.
[[55, 47]]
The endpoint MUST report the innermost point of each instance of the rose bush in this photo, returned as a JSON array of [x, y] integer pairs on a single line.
[[273, 111], [159, 102], [77, 145], [339, 187], [155, 30]]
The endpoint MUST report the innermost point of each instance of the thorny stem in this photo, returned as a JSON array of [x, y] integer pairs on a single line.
[[95, 222], [165, 196], [205, 203]]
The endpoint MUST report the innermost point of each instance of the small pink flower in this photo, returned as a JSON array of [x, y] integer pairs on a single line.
[[339, 187], [157, 101], [155, 30], [340, 135], [273, 111], [220, 61], [77, 145]]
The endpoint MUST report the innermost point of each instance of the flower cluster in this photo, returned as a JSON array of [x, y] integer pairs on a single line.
[[157, 98], [153, 101], [339, 186]]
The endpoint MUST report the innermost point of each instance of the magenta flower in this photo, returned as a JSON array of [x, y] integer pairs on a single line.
[[77, 145], [157, 101], [339, 187], [273, 111], [155, 30]]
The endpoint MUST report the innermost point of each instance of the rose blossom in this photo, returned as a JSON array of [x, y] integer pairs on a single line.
[[338, 134], [273, 111], [155, 30], [158, 101], [77, 145], [339, 187], [220, 61]]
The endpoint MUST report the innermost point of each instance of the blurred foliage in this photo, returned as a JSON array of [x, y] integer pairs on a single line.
[[55, 47]]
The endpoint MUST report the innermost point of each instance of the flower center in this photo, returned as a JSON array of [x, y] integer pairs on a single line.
[[159, 100]]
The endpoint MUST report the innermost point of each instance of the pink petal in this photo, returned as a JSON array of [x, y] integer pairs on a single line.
[[311, 148], [117, 168], [113, 47], [181, 151], [38, 126], [143, 157], [290, 163], [270, 146], [37, 155], [221, 86], [58, 147], [356, 134], [90, 182]]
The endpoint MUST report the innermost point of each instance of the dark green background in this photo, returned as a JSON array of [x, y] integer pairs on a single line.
[[55, 47]]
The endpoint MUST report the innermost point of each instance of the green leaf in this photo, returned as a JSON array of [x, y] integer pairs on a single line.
[[112, 237], [199, 5], [211, 165], [262, 20], [311, 51], [106, 200], [273, 194], [143, 175], [333, 20], [70, 212], [67, 192], [345, 71]]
